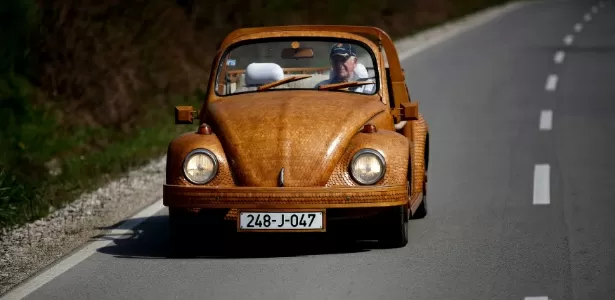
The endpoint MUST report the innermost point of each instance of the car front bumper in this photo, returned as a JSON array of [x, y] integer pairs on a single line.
[[181, 196]]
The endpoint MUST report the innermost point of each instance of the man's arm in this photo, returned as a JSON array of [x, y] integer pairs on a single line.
[[368, 88]]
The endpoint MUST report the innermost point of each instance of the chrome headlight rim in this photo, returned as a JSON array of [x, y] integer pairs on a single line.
[[368, 151], [213, 158]]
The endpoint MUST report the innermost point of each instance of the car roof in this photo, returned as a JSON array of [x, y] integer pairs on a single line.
[[366, 34]]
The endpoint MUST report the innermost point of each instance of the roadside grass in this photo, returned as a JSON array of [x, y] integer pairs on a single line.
[[51, 165], [48, 158]]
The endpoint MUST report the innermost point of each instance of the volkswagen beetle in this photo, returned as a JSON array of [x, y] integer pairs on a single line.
[[302, 128]]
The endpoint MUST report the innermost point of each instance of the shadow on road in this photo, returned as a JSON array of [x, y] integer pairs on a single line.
[[150, 240]]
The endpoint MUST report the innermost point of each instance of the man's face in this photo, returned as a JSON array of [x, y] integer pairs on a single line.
[[343, 66]]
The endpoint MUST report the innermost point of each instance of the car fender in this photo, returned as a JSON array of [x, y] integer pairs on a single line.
[[392, 145], [420, 130], [182, 145]]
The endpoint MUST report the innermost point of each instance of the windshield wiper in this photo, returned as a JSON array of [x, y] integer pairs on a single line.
[[283, 81], [334, 86]]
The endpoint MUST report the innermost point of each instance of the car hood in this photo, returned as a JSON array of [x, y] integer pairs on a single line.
[[304, 133]]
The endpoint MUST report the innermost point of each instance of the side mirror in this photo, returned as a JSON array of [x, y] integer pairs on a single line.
[[406, 111], [409, 111], [184, 114]]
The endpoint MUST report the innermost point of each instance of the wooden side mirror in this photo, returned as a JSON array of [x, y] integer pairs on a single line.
[[406, 111], [184, 114], [409, 111]]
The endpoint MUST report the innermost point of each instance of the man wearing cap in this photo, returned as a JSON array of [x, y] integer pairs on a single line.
[[344, 64]]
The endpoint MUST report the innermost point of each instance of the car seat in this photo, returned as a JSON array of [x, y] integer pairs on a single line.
[[258, 74]]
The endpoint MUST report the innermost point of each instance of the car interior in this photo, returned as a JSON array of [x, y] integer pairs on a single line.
[[257, 74]]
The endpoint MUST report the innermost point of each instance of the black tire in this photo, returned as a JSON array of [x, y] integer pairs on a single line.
[[180, 243], [421, 211], [394, 228], [191, 235]]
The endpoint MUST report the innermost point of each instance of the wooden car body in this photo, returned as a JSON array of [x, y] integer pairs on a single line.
[[289, 150]]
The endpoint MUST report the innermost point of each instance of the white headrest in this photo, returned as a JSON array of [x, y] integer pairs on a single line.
[[361, 71], [263, 73]]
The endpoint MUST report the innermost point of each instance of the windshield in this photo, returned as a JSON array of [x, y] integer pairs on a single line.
[[298, 63]]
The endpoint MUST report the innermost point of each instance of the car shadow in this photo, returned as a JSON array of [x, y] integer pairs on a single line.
[[149, 240]]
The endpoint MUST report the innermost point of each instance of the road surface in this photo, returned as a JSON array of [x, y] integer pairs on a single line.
[[522, 115]]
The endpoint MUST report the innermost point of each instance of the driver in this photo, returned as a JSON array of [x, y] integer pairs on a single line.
[[344, 62]]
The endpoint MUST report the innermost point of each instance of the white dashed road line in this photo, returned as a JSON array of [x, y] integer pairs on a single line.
[[551, 84], [594, 9], [568, 39], [542, 187], [536, 298], [559, 57], [587, 17], [578, 27], [546, 120]]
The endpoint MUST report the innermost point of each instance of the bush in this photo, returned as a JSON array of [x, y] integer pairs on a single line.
[[18, 21], [19, 121]]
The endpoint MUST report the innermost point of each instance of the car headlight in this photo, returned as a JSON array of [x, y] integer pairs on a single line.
[[367, 166], [200, 166]]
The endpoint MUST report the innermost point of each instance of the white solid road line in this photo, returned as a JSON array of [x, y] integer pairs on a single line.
[[71, 260], [542, 186], [587, 17], [546, 120], [559, 57], [568, 39], [578, 27], [551, 84]]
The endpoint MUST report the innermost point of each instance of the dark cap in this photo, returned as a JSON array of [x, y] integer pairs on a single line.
[[342, 49]]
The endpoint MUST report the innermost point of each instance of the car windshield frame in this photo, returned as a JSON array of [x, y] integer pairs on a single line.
[[371, 55]]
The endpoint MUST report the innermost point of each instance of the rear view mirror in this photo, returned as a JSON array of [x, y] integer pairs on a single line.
[[297, 53], [184, 114]]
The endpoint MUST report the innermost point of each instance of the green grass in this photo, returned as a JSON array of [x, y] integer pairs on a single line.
[[86, 156], [34, 130]]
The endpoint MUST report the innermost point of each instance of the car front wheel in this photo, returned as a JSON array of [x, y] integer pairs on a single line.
[[394, 228], [421, 211], [180, 243]]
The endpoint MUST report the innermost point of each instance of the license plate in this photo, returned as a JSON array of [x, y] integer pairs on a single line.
[[283, 221]]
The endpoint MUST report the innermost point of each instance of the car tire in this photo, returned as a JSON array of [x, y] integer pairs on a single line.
[[421, 211], [180, 243], [395, 227]]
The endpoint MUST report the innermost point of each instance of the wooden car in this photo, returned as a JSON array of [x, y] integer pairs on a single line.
[[303, 128]]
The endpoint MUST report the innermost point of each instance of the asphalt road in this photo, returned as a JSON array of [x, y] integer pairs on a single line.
[[491, 232]]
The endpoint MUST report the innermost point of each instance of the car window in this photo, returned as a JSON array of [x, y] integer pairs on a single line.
[[304, 63]]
